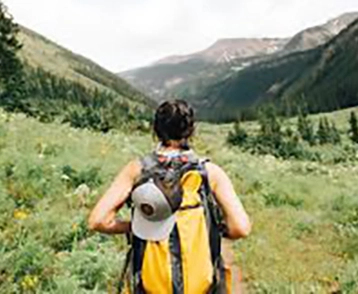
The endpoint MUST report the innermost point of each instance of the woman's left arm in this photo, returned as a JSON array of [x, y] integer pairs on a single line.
[[103, 216]]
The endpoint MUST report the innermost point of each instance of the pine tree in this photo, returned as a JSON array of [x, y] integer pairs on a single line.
[[353, 130], [270, 128], [305, 128], [335, 136], [11, 75], [327, 132], [323, 132]]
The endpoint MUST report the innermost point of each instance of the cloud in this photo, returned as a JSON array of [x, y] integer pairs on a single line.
[[130, 33]]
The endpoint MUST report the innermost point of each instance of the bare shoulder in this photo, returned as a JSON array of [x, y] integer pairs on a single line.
[[214, 169], [133, 169], [215, 173]]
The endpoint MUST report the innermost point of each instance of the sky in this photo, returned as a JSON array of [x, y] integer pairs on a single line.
[[126, 34]]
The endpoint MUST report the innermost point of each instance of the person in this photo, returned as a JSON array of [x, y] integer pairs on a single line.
[[175, 227]]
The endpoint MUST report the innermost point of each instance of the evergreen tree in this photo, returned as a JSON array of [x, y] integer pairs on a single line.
[[323, 131], [270, 128], [11, 75], [335, 136], [353, 130], [238, 136], [305, 128], [327, 132]]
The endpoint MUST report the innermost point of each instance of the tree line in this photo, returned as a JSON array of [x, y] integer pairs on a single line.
[[287, 142], [45, 96]]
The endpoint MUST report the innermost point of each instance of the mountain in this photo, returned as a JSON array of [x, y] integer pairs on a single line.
[[185, 76], [316, 36], [226, 50], [59, 84], [158, 79], [40, 52], [320, 79]]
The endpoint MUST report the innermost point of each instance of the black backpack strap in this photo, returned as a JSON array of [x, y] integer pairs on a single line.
[[139, 246], [214, 221]]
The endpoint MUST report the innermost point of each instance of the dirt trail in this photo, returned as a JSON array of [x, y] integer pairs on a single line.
[[229, 260]]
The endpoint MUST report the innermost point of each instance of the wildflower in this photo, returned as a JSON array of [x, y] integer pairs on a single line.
[[29, 282], [20, 214], [74, 227]]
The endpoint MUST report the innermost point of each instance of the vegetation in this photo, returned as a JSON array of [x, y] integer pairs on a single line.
[[327, 133], [324, 79], [304, 212], [238, 136], [11, 79], [49, 96], [277, 137], [353, 131], [46, 96], [39, 52], [305, 128]]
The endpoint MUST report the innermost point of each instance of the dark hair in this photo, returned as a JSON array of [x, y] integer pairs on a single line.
[[174, 120]]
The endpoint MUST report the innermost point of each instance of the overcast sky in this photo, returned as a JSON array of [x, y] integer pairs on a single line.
[[123, 34]]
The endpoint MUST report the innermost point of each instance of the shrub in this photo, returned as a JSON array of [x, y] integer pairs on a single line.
[[90, 176], [29, 266], [305, 129], [277, 200], [353, 127], [238, 136]]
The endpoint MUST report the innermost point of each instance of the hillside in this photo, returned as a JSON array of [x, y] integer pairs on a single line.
[[162, 79], [226, 50], [57, 84], [39, 52], [313, 37], [322, 79], [185, 76]]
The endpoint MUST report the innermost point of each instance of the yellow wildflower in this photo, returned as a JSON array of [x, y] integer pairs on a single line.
[[20, 214], [29, 282], [74, 226]]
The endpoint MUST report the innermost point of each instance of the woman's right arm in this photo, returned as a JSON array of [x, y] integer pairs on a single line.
[[236, 219], [103, 216]]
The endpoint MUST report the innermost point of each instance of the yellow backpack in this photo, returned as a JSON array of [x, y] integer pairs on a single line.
[[189, 261]]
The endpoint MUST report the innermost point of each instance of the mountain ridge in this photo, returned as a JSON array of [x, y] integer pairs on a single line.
[[320, 79], [183, 76], [40, 52]]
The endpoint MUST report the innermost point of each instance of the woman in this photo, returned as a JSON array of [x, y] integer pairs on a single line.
[[173, 253]]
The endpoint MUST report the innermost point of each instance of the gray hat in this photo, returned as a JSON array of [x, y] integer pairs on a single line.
[[153, 217]]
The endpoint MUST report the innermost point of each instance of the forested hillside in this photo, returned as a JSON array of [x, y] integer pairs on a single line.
[[187, 76], [322, 79], [47, 81]]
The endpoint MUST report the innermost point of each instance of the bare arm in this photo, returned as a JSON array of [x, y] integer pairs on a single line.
[[236, 218], [103, 216]]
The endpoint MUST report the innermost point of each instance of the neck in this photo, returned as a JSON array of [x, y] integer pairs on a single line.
[[176, 145]]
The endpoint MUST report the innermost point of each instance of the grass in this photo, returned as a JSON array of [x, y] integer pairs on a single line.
[[305, 214], [39, 52]]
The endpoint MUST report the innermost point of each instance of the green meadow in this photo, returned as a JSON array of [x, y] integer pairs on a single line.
[[304, 213]]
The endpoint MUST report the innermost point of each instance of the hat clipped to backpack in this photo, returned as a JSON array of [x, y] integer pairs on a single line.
[[154, 210]]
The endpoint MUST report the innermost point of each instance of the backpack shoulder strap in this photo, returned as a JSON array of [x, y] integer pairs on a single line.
[[149, 162], [215, 230]]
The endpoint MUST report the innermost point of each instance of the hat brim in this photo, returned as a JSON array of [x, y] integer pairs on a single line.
[[151, 230]]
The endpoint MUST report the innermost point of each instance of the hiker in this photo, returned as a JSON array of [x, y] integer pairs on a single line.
[[181, 206]]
